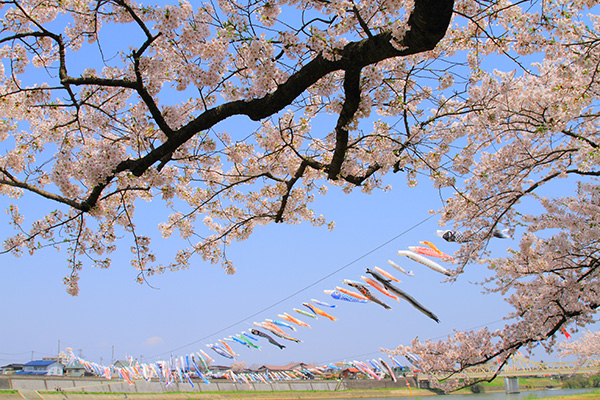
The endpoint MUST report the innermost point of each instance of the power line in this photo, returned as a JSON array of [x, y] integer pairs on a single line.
[[16, 354], [300, 290]]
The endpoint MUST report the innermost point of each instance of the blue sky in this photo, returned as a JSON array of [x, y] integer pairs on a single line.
[[184, 310]]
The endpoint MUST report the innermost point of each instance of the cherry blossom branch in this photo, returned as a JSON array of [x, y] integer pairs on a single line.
[[358, 180], [495, 40], [14, 182], [579, 137], [427, 28], [136, 18], [24, 35], [40, 232], [349, 108], [224, 189], [289, 185], [361, 21]]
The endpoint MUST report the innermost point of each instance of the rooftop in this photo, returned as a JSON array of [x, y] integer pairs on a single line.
[[40, 363], [23, 372], [12, 366], [287, 367]]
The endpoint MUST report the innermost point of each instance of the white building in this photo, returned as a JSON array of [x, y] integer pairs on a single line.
[[42, 367]]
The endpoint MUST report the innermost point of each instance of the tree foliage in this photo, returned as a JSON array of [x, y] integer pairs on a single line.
[[492, 100]]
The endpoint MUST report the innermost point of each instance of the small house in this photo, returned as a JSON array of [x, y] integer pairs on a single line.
[[350, 373], [120, 364], [11, 369], [75, 369], [287, 367]]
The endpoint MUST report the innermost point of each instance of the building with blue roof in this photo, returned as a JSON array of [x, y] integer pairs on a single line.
[[42, 367]]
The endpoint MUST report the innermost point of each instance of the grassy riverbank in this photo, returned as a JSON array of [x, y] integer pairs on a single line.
[[496, 386], [580, 396], [287, 395], [525, 384]]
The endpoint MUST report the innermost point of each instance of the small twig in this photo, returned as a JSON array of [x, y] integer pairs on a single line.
[[361, 21]]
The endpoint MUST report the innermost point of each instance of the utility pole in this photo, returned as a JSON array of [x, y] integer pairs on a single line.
[[31, 355], [112, 360], [58, 351]]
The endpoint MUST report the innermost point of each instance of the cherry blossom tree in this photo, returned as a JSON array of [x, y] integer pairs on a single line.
[[525, 130], [491, 101], [238, 366], [586, 349], [97, 141]]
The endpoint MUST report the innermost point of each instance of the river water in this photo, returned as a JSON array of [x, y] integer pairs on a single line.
[[530, 394]]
